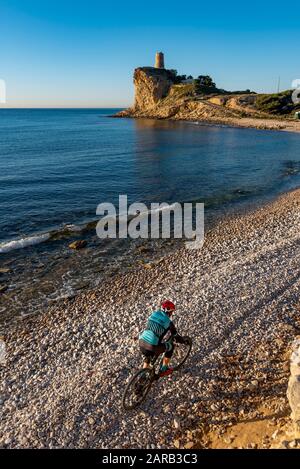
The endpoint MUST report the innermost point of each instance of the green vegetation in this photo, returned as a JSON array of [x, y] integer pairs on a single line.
[[182, 90], [247, 91], [277, 103], [205, 80], [204, 84], [177, 79]]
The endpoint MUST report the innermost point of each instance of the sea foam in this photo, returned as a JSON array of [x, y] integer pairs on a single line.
[[23, 242]]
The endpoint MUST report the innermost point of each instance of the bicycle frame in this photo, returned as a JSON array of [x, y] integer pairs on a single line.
[[152, 375], [155, 358]]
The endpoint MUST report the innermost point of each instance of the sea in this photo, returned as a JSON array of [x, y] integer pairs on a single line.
[[57, 165]]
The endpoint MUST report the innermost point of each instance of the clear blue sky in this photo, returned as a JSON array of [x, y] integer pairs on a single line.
[[82, 54]]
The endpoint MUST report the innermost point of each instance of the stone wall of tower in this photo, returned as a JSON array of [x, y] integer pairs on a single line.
[[159, 60]]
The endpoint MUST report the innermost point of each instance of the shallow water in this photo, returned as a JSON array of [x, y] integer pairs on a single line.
[[56, 166]]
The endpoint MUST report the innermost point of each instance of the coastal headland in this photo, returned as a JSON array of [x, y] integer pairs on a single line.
[[162, 94]]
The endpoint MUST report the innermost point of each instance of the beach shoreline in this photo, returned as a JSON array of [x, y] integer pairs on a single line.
[[237, 297], [97, 263], [275, 124]]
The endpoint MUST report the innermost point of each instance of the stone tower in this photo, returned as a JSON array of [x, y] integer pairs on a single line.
[[159, 60]]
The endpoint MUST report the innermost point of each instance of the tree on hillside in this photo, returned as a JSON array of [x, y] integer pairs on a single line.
[[173, 72], [177, 78], [205, 80], [204, 85]]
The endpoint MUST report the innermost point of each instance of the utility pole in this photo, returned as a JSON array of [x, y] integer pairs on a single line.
[[278, 87]]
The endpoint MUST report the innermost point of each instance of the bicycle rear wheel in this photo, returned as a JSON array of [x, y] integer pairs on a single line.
[[181, 353], [137, 389]]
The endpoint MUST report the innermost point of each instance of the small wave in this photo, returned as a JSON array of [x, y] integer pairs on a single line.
[[290, 168], [65, 231], [23, 243], [69, 230], [131, 216], [150, 210], [75, 228], [166, 207]]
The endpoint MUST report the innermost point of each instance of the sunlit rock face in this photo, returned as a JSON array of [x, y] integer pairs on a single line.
[[151, 85], [293, 392]]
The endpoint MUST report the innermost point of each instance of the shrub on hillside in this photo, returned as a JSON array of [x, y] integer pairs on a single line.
[[277, 103]]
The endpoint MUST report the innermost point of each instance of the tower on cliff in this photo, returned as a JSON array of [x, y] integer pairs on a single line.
[[159, 60]]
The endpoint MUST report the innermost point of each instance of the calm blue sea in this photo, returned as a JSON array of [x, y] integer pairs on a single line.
[[56, 166]]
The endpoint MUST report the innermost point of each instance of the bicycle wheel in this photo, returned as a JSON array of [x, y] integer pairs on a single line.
[[181, 353], [137, 389]]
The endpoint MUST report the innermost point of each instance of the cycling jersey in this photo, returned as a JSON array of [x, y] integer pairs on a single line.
[[158, 325]]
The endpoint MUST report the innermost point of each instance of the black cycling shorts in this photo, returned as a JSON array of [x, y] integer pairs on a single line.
[[149, 351]]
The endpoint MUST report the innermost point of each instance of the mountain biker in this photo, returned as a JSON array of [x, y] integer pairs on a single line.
[[155, 339]]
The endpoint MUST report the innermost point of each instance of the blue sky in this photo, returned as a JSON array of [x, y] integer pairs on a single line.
[[82, 54]]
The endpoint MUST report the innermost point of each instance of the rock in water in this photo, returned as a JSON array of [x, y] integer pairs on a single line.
[[4, 270], [79, 244]]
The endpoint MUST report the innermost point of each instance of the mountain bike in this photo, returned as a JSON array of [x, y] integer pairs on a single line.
[[139, 385]]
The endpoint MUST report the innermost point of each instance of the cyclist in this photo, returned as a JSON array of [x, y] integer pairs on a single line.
[[158, 335]]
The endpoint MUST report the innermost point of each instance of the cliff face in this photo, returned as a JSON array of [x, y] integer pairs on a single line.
[[151, 85]]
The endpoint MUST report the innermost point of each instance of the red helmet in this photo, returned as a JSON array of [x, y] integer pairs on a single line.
[[168, 307]]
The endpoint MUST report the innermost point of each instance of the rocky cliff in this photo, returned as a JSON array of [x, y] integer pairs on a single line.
[[151, 86], [156, 96]]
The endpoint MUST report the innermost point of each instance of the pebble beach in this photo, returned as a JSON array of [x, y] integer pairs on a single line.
[[237, 297]]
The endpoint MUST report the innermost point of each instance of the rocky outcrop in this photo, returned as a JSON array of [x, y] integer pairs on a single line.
[[293, 392], [79, 244], [156, 96], [151, 85]]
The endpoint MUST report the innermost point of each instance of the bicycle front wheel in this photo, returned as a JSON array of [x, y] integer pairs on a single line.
[[181, 353], [137, 389]]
